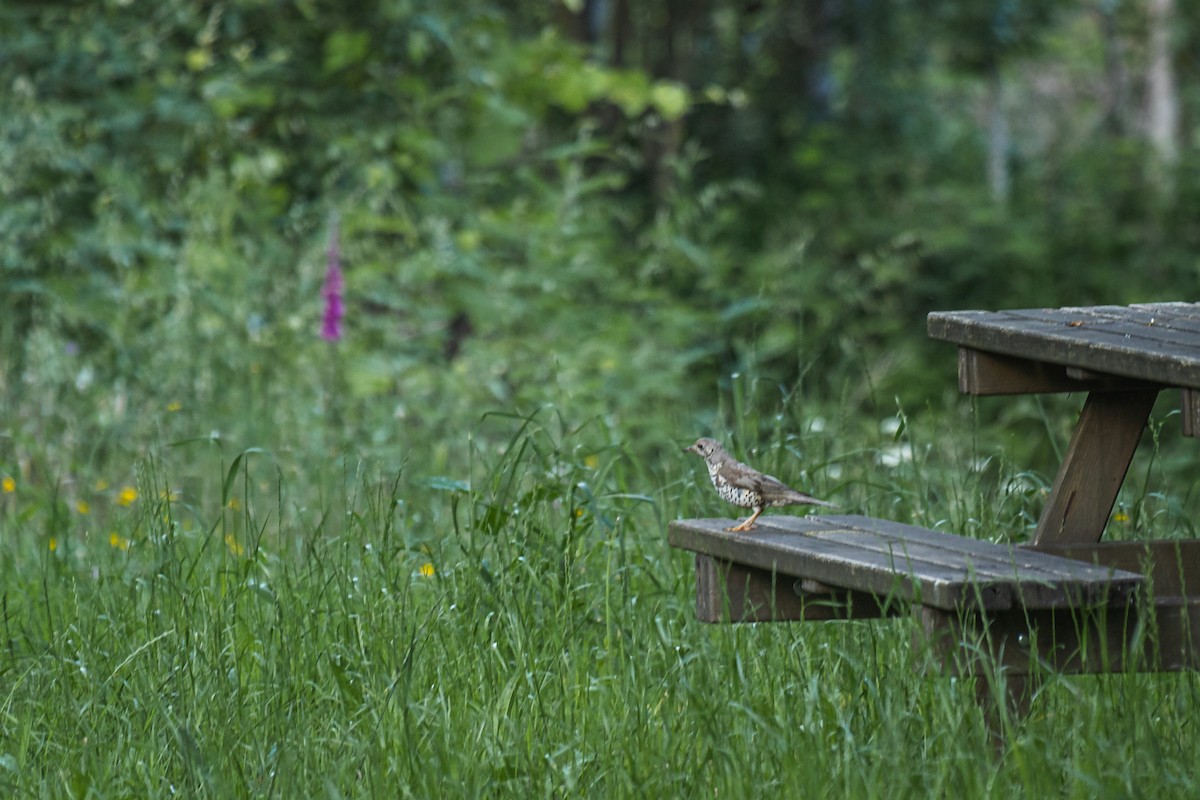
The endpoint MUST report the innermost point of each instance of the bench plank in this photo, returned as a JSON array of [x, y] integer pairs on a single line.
[[906, 563], [983, 550], [948, 550], [1170, 566], [794, 550]]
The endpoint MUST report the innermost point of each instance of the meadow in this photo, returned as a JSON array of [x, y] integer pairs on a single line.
[[496, 612]]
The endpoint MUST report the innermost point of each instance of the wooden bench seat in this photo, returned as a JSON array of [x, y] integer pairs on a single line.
[[856, 566]]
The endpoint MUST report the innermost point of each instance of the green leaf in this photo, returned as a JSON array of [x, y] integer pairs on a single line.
[[441, 483], [670, 99], [231, 474], [630, 89], [345, 48]]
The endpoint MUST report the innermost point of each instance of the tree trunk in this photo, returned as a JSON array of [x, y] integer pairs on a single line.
[[662, 144], [1162, 111], [1116, 114], [999, 139], [622, 32]]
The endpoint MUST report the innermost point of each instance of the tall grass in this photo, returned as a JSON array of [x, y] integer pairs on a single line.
[[258, 628]]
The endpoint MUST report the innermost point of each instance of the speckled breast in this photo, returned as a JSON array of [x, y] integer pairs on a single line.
[[735, 494]]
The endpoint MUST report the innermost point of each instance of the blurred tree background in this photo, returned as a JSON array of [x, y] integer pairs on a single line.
[[622, 204]]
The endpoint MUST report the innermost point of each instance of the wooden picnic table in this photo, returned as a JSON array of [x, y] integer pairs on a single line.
[[1067, 600]]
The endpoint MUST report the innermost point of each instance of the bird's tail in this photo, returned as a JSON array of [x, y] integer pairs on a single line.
[[801, 498]]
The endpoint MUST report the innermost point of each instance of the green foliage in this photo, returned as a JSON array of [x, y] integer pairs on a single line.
[[980, 35], [174, 173]]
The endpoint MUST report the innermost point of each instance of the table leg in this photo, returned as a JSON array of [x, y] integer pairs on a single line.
[[1098, 457]]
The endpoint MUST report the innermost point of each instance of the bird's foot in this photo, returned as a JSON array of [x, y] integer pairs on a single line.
[[748, 524]]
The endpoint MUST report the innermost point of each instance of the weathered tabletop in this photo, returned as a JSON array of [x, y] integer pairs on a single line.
[[1122, 355], [1154, 342]]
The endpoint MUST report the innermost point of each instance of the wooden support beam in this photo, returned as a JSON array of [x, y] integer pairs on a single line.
[[1085, 489], [1189, 404], [983, 374], [1162, 635], [730, 592]]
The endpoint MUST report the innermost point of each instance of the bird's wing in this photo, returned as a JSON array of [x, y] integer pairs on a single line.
[[742, 476], [771, 482], [730, 473]]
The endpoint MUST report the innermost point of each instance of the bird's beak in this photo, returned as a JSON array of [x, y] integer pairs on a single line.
[[691, 449]]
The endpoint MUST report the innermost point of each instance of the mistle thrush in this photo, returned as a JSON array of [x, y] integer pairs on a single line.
[[745, 486]]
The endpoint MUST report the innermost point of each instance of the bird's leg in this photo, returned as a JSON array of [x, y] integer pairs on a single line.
[[748, 524]]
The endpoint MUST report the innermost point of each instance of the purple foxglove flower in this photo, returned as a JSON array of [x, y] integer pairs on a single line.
[[331, 290]]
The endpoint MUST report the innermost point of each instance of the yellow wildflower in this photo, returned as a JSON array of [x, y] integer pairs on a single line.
[[1120, 516], [426, 570], [118, 541], [174, 406], [127, 496], [233, 503], [592, 461], [8, 484], [52, 544], [101, 485], [234, 545], [82, 507]]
